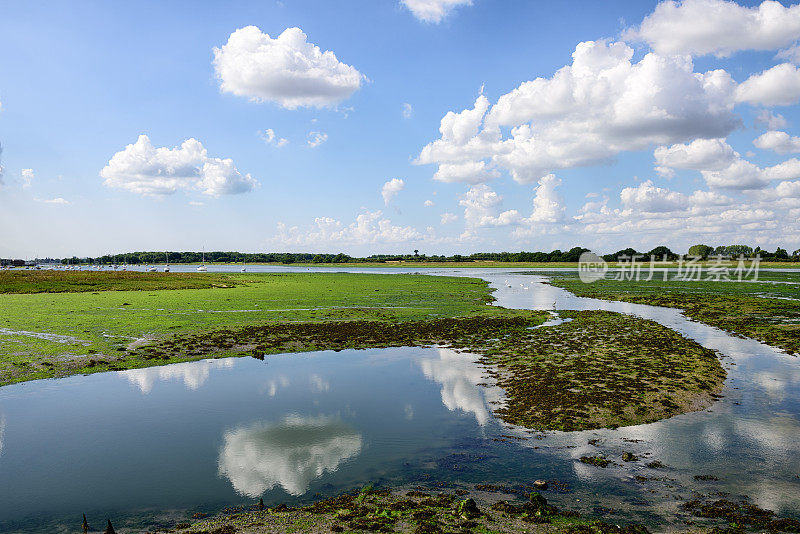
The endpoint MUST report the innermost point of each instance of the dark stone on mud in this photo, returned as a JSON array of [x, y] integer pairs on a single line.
[[540, 484], [85, 524], [467, 509], [280, 508], [503, 506], [261, 504], [110, 529], [537, 500]]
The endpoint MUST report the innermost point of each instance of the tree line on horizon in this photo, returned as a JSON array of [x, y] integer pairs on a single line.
[[288, 258]]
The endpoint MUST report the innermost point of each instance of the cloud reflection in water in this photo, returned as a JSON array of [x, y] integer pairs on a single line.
[[193, 374], [459, 374], [289, 454]]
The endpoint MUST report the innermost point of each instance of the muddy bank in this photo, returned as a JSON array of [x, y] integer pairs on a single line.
[[481, 509], [408, 511]]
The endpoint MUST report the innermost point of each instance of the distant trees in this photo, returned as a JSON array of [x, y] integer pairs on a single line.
[[661, 253], [735, 250], [702, 251], [571, 255]]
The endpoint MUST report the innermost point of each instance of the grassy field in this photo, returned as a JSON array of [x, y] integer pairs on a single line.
[[93, 327], [767, 310]]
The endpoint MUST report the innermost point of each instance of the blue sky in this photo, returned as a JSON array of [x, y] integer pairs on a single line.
[[653, 123]]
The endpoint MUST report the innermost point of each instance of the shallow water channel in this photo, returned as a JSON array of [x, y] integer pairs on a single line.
[[150, 447]]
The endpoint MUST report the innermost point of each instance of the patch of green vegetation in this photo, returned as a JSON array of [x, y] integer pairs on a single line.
[[768, 311], [99, 327], [602, 369], [86, 281], [413, 511], [599, 461]]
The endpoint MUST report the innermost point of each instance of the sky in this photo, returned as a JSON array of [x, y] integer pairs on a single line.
[[385, 126]]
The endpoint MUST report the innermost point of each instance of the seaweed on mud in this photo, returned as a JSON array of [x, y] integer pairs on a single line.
[[598, 461], [742, 513]]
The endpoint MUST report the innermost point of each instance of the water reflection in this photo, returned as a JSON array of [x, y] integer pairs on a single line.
[[459, 374], [272, 385], [2, 431], [289, 454], [193, 374]]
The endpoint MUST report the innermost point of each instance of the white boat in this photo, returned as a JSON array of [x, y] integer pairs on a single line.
[[244, 267], [202, 268], [152, 269], [166, 267]]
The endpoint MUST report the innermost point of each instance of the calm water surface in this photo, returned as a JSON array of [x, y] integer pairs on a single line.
[[150, 447]]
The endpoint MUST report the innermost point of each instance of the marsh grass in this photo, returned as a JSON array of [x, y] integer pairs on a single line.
[[105, 323], [87, 281]]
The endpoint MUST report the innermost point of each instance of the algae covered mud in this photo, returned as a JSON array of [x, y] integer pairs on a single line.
[[152, 447]]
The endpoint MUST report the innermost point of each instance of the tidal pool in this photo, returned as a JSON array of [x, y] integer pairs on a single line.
[[150, 447]]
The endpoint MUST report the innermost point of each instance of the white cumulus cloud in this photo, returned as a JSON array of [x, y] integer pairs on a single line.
[[287, 70], [391, 188], [586, 113], [447, 218], [777, 86], [141, 168], [719, 27], [482, 208], [56, 201], [548, 207], [269, 137], [770, 120], [649, 198], [780, 142], [433, 10], [314, 139], [408, 110], [721, 166], [370, 227]]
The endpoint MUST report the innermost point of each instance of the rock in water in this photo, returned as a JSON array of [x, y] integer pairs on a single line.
[[629, 457], [110, 529], [540, 484], [85, 524], [467, 509]]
